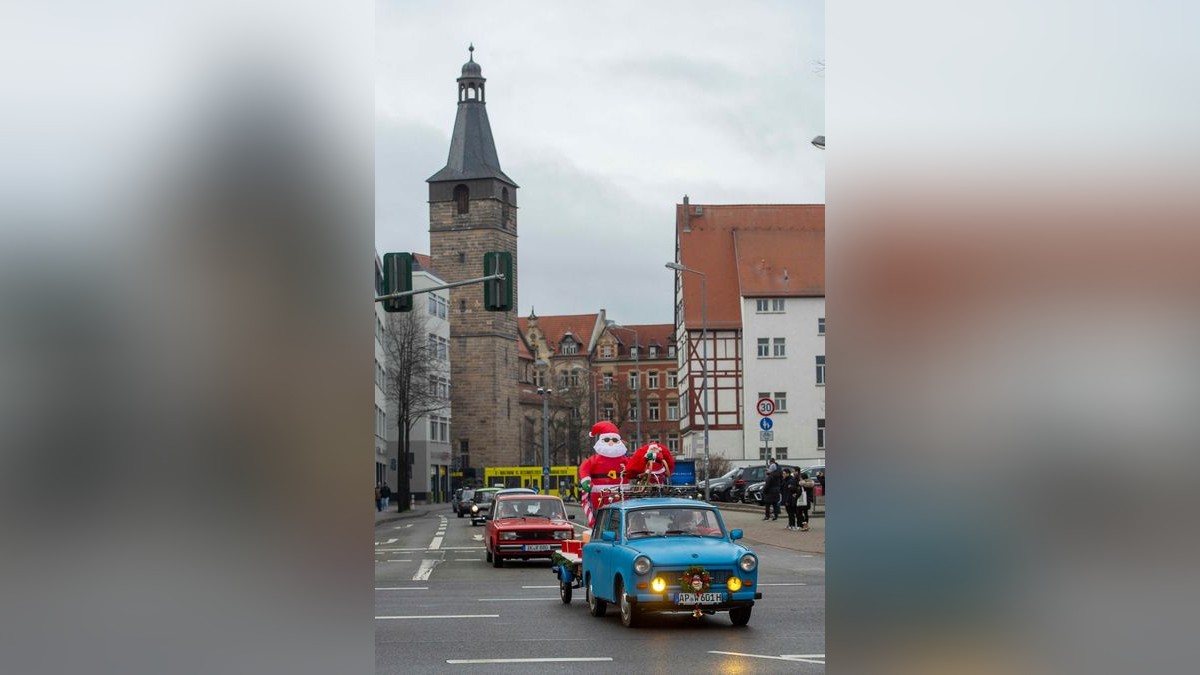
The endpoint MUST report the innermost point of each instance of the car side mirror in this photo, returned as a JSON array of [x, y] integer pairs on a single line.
[[570, 516], [608, 535], [735, 535]]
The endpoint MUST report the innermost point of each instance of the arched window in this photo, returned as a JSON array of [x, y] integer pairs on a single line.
[[504, 208], [461, 198]]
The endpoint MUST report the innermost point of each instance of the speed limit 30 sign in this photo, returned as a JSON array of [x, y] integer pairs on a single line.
[[765, 407]]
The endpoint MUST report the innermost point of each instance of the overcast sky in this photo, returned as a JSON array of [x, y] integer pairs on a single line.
[[605, 114]]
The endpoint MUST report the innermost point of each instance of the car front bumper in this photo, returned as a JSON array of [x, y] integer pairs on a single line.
[[517, 549], [661, 602]]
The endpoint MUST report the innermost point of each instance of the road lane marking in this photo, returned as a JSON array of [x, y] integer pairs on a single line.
[[540, 586], [467, 559], [442, 616], [515, 599], [437, 543], [477, 537], [386, 543], [784, 584], [776, 658], [565, 659], [401, 588], [425, 570]]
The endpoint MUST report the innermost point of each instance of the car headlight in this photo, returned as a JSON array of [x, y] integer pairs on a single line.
[[734, 584], [658, 585], [474, 509], [562, 534], [641, 565], [508, 535], [748, 562]]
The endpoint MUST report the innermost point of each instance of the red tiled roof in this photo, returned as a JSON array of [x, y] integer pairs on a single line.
[[777, 263], [424, 262], [648, 334], [709, 245], [580, 327]]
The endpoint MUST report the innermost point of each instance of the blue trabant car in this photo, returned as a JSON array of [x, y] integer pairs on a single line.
[[667, 555]]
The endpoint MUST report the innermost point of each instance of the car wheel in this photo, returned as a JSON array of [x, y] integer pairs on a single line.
[[564, 592], [630, 616], [596, 606], [740, 616], [496, 561]]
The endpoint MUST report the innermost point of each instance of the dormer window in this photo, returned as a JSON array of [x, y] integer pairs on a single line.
[[653, 351], [606, 351], [568, 347]]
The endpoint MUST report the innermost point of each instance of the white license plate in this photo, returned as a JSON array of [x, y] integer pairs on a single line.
[[537, 547], [699, 598]]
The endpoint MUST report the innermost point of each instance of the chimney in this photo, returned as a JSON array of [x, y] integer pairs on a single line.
[[687, 222]]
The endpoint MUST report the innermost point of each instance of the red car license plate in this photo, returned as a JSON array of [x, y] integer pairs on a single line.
[[537, 547]]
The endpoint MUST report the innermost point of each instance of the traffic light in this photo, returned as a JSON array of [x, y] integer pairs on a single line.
[[397, 277], [497, 293]]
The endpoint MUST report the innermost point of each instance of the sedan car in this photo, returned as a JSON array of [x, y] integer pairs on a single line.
[[481, 504], [463, 499], [667, 555], [526, 526], [719, 487]]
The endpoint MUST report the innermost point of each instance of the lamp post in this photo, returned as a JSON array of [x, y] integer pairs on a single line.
[[637, 368], [703, 359], [819, 142], [545, 391]]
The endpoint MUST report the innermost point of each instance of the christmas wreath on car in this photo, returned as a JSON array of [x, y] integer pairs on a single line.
[[695, 579]]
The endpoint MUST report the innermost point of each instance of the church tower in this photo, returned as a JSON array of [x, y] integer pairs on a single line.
[[473, 211]]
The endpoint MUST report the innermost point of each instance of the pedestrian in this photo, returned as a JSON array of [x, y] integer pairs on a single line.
[[804, 498], [378, 497], [791, 483], [771, 493], [385, 494]]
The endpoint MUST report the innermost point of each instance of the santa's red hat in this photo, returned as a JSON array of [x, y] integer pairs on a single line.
[[604, 427]]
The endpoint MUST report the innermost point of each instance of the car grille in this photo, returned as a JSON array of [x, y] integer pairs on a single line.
[[536, 535], [719, 577]]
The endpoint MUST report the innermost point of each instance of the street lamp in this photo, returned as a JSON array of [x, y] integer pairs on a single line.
[[819, 142], [703, 359], [545, 391], [637, 368]]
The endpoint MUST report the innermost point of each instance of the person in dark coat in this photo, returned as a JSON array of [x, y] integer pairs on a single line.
[[804, 495], [771, 493], [790, 484]]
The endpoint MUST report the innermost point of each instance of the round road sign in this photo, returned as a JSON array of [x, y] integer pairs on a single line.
[[765, 407]]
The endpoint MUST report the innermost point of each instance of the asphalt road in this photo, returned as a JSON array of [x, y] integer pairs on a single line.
[[440, 607]]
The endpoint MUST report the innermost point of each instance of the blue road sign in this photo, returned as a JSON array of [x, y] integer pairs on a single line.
[[765, 424]]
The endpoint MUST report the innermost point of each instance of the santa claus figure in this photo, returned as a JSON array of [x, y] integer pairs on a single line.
[[654, 462], [609, 466]]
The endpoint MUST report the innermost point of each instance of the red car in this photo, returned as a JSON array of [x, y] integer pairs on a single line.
[[526, 526]]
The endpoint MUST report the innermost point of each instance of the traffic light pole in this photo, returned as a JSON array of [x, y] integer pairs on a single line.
[[464, 282]]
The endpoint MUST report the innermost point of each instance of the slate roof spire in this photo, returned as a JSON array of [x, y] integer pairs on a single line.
[[472, 149]]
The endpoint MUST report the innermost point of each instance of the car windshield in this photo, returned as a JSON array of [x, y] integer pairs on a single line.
[[673, 521], [467, 495], [484, 497], [529, 508]]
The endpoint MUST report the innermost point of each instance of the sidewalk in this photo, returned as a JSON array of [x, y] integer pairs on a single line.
[[417, 511]]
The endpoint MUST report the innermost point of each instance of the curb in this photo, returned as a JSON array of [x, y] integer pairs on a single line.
[[402, 515]]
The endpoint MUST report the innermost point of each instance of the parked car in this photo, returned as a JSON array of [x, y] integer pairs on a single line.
[[667, 555], [747, 476], [818, 500], [516, 491], [526, 526], [720, 486], [481, 504], [463, 498]]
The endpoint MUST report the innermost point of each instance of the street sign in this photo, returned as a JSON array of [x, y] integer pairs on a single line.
[[766, 435], [765, 424], [765, 407]]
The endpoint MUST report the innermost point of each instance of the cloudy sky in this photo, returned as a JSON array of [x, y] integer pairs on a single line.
[[605, 114]]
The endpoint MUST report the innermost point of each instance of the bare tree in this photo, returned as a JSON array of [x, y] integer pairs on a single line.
[[416, 368]]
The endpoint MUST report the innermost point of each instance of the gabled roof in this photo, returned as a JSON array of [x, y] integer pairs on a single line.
[[788, 236], [657, 334], [578, 326]]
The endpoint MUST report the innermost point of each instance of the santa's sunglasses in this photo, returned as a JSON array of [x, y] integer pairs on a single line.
[[610, 440]]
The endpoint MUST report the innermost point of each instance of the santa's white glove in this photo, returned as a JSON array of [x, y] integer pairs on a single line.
[[652, 453], [585, 485]]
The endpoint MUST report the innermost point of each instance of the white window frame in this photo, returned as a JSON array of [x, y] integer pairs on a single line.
[[780, 399], [821, 325], [652, 379], [821, 433], [760, 306], [779, 348], [821, 370], [672, 379], [764, 348], [653, 410], [635, 380], [672, 409], [778, 305]]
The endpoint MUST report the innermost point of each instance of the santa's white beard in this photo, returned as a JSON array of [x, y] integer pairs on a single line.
[[609, 449]]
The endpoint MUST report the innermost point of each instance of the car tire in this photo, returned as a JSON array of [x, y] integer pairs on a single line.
[[740, 616], [596, 606], [631, 617], [497, 561], [564, 592]]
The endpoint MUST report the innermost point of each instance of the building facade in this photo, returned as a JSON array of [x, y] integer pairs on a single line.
[[473, 211], [747, 314]]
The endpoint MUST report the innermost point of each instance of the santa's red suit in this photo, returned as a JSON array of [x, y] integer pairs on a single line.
[[654, 461], [603, 468]]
